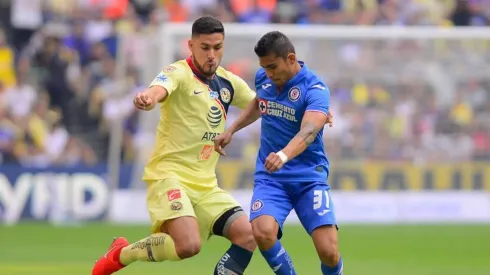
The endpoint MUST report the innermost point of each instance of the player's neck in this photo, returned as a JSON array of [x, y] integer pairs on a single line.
[[191, 62], [207, 77], [295, 71], [203, 75]]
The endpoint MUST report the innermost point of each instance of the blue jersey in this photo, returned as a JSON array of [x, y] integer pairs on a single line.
[[281, 113]]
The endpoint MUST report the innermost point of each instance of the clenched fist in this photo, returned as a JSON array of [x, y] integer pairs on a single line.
[[143, 102], [273, 163]]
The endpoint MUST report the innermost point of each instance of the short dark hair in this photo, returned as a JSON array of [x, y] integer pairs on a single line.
[[207, 25], [276, 43]]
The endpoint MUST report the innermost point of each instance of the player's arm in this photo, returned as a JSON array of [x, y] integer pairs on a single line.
[[243, 93], [311, 125], [160, 88], [247, 117], [245, 98], [147, 99]]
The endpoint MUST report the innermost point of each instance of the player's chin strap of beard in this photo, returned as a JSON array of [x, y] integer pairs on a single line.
[[282, 156]]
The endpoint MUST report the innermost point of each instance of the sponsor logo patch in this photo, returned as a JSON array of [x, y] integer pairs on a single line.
[[174, 194], [176, 206], [213, 94], [214, 116], [206, 152], [169, 69], [161, 78]]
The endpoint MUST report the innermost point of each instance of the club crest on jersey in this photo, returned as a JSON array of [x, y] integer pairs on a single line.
[[169, 69], [257, 205], [225, 95], [294, 94], [213, 95]]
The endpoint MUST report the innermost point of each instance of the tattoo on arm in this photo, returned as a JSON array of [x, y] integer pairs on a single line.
[[308, 133]]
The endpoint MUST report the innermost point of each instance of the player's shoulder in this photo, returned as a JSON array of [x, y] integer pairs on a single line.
[[229, 76], [224, 73], [178, 68], [260, 76], [313, 82]]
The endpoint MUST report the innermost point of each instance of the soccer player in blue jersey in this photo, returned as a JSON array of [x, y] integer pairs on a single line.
[[292, 168]]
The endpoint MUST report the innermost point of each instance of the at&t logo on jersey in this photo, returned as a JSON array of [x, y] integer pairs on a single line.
[[214, 116], [272, 108], [209, 136]]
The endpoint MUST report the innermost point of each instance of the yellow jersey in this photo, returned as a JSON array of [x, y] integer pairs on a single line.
[[7, 72], [191, 116]]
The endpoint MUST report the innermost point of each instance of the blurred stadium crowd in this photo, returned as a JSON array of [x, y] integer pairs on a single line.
[[60, 88]]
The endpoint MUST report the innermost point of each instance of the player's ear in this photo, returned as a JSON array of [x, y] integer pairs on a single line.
[[189, 44], [291, 58]]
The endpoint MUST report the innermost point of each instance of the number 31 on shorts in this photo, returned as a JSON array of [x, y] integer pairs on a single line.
[[321, 200]]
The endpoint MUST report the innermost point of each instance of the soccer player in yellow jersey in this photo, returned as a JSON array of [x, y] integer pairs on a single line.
[[186, 205]]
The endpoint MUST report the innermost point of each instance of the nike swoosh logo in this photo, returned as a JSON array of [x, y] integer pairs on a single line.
[[265, 86], [196, 93]]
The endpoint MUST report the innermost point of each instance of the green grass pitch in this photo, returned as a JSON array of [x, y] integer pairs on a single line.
[[367, 250]]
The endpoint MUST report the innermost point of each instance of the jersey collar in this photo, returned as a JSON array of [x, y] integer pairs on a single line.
[[196, 71], [297, 78]]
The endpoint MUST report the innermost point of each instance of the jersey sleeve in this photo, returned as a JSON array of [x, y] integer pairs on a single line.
[[318, 99], [170, 78], [243, 94]]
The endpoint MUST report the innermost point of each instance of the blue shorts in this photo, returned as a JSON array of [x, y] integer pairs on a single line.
[[311, 201]]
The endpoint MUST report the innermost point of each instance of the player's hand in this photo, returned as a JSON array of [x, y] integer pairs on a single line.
[[273, 163], [143, 102], [221, 141], [330, 119]]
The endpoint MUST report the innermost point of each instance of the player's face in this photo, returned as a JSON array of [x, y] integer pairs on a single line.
[[278, 69], [207, 50]]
